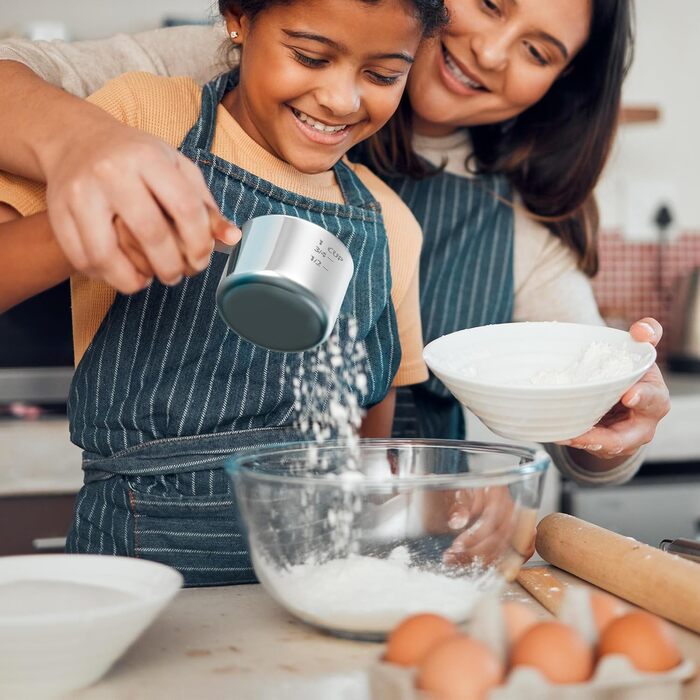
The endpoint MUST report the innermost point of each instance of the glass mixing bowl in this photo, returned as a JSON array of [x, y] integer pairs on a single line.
[[353, 538]]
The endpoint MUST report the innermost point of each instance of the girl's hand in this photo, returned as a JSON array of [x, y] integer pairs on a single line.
[[104, 170], [632, 422], [487, 523]]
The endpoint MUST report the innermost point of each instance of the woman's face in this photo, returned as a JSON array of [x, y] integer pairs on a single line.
[[319, 76], [495, 59]]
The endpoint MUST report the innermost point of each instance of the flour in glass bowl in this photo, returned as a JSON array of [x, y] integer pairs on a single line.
[[365, 594], [598, 362]]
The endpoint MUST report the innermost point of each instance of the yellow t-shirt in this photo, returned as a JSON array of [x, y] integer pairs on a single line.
[[167, 108]]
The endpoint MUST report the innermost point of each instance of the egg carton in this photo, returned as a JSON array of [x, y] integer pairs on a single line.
[[614, 679]]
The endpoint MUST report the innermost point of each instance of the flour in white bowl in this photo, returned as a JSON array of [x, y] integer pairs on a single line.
[[598, 362], [365, 594]]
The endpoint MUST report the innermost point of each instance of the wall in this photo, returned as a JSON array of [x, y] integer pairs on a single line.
[[661, 157], [92, 19]]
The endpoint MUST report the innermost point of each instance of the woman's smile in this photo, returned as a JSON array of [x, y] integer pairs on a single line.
[[457, 77]]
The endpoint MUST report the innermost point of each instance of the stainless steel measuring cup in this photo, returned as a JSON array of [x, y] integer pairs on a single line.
[[284, 283]]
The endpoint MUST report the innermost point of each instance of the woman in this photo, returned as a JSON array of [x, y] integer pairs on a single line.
[[537, 85]]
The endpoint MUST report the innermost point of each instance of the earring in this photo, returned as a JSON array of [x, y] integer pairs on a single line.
[[234, 35]]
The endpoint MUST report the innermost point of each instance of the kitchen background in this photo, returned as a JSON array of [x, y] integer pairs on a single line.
[[650, 243]]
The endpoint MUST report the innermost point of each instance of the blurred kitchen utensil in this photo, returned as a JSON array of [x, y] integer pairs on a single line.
[[648, 577], [688, 549], [543, 586], [684, 342], [284, 283]]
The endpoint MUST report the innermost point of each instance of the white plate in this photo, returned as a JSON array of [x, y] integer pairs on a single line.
[[66, 618]]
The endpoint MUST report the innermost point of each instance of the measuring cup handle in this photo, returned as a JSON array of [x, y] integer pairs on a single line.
[[220, 247]]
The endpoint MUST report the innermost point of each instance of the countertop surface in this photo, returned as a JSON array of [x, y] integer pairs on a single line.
[[235, 642], [37, 457]]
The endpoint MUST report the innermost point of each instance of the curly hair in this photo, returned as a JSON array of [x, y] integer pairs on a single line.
[[432, 14]]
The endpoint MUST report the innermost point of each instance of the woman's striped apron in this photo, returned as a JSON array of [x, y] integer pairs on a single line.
[[466, 280], [166, 390]]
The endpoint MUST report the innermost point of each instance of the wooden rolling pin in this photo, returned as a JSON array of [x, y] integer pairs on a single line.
[[654, 580]]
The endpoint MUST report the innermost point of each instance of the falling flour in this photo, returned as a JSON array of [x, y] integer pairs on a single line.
[[598, 362], [365, 594], [327, 390]]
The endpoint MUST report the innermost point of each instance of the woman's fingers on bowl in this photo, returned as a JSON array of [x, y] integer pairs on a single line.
[[649, 396], [617, 440], [647, 330]]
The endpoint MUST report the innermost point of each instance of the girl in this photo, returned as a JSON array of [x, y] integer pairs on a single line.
[[163, 390]]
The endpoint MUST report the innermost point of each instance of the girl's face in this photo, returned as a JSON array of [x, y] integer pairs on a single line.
[[495, 59], [319, 76]]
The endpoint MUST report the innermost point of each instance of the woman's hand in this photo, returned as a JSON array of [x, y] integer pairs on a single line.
[[106, 171], [632, 422]]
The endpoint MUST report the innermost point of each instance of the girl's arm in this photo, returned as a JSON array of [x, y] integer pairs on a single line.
[[31, 261], [380, 418]]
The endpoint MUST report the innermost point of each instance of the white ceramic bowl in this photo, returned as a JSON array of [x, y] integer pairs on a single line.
[[65, 619], [489, 369]]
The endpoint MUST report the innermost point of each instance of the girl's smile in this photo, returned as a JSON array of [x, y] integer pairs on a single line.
[[319, 131], [312, 84]]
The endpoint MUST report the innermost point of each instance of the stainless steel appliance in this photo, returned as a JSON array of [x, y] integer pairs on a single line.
[[684, 346], [284, 283]]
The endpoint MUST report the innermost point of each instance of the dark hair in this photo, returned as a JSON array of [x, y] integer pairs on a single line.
[[432, 14], [553, 153]]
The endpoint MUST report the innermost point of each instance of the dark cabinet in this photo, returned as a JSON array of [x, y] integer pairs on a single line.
[[34, 524]]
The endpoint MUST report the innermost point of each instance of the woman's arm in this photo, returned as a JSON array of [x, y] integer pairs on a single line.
[[31, 261], [98, 169], [33, 112], [83, 67]]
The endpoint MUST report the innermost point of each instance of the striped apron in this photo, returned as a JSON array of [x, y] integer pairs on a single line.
[[166, 391], [466, 279]]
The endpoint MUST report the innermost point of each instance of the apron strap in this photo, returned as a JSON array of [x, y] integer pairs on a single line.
[[353, 189], [185, 454], [201, 134]]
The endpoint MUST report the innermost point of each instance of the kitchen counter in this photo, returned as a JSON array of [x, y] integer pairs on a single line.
[[38, 458], [235, 642]]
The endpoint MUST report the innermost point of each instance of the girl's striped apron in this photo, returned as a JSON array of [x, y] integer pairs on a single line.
[[166, 390], [466, 278]]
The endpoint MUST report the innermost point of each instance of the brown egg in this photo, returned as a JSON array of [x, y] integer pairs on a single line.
[[460, 669], [605, 609], [557, 651], [415, 636], [646, 640], [518, 618]]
